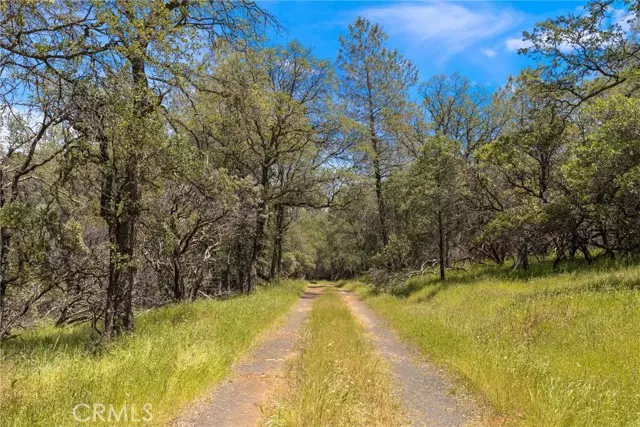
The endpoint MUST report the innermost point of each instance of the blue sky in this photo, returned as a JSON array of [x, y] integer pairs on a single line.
[[477, 39]]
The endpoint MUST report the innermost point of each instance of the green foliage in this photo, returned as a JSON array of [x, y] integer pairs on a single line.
[[374, 91], [13, 215]]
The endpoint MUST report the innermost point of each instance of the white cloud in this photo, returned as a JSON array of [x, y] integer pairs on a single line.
[[624, 19], [513, 44], [488, 52], [449, 28]]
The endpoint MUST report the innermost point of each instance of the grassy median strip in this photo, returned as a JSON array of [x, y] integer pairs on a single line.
[[176, 353], [337, 380], [549, 350]]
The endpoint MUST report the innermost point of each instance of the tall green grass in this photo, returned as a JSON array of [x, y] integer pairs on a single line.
[[176, 353], [337, 380], [546, 348]]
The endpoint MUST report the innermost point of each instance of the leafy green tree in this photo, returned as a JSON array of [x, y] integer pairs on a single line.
[[374, 85], [527, 156], [456, 109], [583, 55], [274, 123], [435, 195], [29, 145], [146, 47], [603, 176]]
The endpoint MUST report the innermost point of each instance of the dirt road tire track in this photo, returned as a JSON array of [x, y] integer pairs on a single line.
[[238, 401], [425, 390]]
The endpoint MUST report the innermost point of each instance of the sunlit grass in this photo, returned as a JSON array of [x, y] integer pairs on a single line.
[[176, 353], [337, 380], [548, 349]]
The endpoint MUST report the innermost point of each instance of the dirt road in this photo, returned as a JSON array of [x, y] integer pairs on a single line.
[[239, 400], [426, 392]]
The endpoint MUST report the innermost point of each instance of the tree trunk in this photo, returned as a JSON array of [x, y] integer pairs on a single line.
[[227, 273], [605, 242], [522, 260], [241, 261], [496, 254], [560, 256], [587, 255], [119, 304], [107, 213], [178, 289], [258, 243], [381, 207], [4, 270], [5, 248], [447, 250], [573, 249], [276, 257], [5, 238], [377, 173], [122, 214], [4, 259], [258, 236], [441, 246]]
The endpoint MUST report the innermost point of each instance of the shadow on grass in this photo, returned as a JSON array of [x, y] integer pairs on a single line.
[[47, 342], [477, 272]]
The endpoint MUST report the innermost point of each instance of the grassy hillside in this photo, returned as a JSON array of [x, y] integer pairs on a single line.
[[176, 353], [546, 348], [337, 380]]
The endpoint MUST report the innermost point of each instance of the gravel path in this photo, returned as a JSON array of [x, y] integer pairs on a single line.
[[239, 400], [425, 390]]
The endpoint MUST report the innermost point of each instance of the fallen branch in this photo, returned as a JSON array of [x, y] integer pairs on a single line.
[[422, 270]]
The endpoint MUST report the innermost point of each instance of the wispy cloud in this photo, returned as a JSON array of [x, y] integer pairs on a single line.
[[488, 52], [624, 19], [445, 28], [514, 44]]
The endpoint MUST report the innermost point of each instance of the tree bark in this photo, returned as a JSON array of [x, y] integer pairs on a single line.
[[258, 236], [227, 273], [119, 304], [447, 251], [5, 239], [441, 246], [5, 250], [377, 172], [4, 267], [522, 260], [587, 255], [381, 206], [258, 243], [276, 258], [122, 214], [178, 289]]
